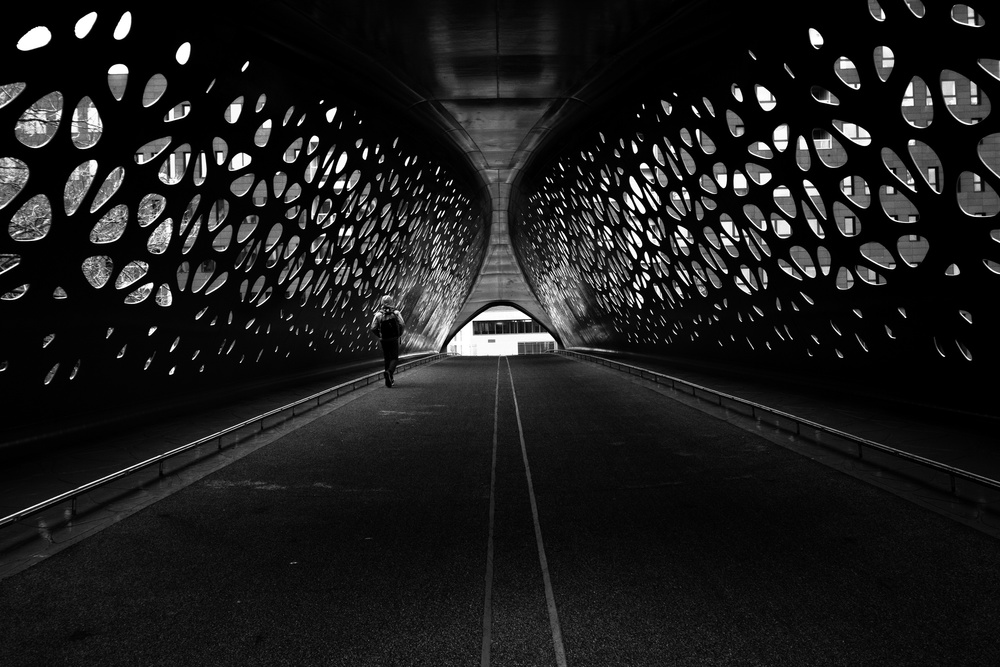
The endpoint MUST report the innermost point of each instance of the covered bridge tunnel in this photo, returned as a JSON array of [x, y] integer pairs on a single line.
[[199, 196]]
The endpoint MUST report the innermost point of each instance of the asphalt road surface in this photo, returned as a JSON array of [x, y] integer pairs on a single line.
[[515, 511]]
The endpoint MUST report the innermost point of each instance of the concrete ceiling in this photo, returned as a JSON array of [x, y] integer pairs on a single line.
[[499, 76]]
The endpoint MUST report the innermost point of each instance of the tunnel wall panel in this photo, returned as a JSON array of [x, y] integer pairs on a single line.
[[179, 216], [824, 203]]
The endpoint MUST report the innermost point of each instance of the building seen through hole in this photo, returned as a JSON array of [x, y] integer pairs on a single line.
[[501, 331]]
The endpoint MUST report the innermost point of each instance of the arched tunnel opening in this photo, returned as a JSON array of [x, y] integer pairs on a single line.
[[501, 330], [188, 210]]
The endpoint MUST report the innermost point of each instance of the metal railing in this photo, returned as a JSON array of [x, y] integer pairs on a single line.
[[801, 425], [263, 421]]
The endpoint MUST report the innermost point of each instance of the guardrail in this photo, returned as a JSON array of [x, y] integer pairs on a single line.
[[263, 421], [801, 425]]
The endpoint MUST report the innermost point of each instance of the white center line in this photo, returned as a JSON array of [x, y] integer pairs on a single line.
[[550, 598], [488, 597]]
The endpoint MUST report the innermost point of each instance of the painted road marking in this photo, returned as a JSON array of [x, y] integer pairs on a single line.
[[550, 598], [488, 597]]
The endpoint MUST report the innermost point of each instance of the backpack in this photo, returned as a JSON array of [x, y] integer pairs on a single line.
[[389, 326]]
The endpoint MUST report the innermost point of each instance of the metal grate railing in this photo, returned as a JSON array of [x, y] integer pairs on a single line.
[[256, 425], [800, 426]]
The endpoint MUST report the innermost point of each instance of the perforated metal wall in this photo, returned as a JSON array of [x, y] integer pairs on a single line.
[[826, 201], [183, 209], [177, 215]]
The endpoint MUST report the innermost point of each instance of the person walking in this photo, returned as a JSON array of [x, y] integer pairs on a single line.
[[387, 326]]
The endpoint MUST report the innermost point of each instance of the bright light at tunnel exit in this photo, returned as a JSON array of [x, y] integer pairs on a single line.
[[501, 330]]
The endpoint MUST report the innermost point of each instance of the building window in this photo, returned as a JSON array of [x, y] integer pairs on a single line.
[[856, 134], [765, 98], [977, 183], [891, 189], [739, 183], [948, 89], [730, 229], [218, 211], [888, 58], [850, 225], [239, 161], [535, 347], [780, 137], [499, 327], [908, 95], [178, 112], [822, 140], [847, 185], [974, 96], [932, 177]]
